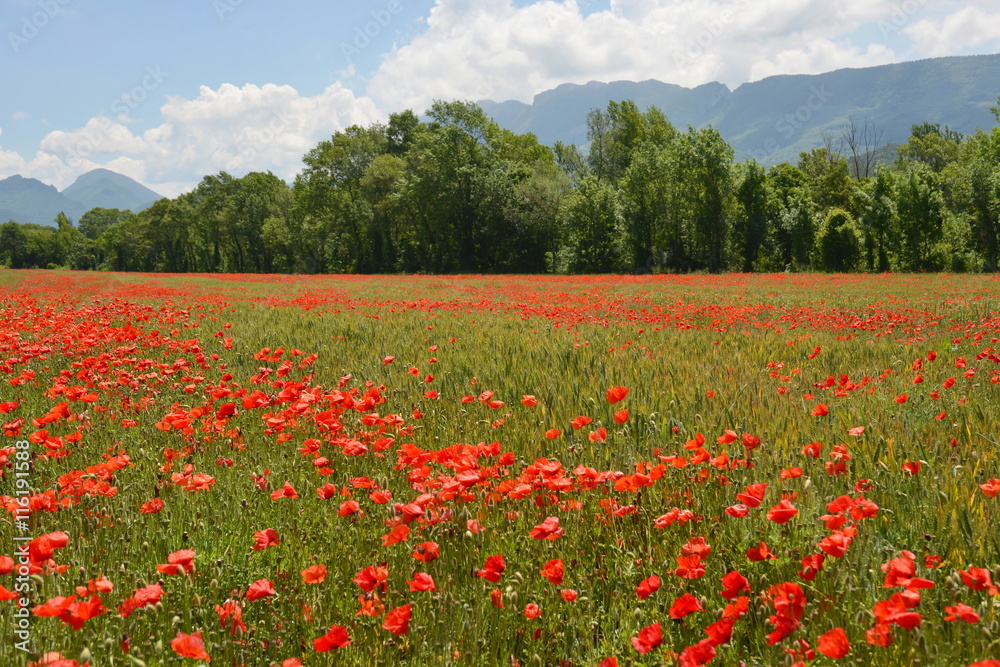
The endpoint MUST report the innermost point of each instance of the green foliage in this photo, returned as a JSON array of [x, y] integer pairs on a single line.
[[838, 243], [920, 219], [593, 227]]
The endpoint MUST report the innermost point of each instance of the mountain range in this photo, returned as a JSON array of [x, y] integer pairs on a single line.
[[27, 200], [776, 118]]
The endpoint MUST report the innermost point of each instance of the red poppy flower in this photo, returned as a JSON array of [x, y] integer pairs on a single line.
[[492, 569], [991, 488], [833, 644], [753, 496], [397, 621], [648, 638], [616, 394], [728, 437], [782, 512], [261, 588], [151, 506], [398, 534], [529, 400], [496, 597], [422, 582], [554, 571], [426, 552], [580, 422], [961, 612], [532, 611], [684, 605], [647, 587], [349, 508], [190, 646], [760, 552], [315, 574], [820, 410], [569, 595], [553, 433], [265, 538], [621, 416], [701, 653], [371, 578], [734, 583], [336, 637], [548, 529]]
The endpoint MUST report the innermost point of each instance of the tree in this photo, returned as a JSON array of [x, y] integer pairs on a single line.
[[13, 245], [931, 145], [829, 178], [920, 218], [838, 243], [878, 216], [705, 165], [593, 228], [864, 143], [753, 212], [973, 185], [93, 223]]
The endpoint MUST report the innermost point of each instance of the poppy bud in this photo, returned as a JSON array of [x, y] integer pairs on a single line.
[[536, 660], [158, 646], [176, 620], [145, 546], [136, 662], [108, 643], [468, 535], [518, 577], [37, 579], [637, 613], [84, 655], [214, 584]]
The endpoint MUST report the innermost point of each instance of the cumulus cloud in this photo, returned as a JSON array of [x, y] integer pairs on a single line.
[[968, 27], [236, 129]]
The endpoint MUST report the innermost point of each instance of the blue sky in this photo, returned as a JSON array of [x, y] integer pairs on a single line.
[[166, 92]]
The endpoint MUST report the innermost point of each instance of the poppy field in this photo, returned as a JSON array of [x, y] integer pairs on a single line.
[[471, 470]]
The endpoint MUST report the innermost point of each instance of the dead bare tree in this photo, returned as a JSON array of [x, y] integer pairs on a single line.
[[865, 146]]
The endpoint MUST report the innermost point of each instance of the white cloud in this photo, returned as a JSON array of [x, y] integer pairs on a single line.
[[967, 28], [498, 51], [21, 115], [236, 129]]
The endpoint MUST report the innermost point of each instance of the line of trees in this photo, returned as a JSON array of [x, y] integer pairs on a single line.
[[457, 193]]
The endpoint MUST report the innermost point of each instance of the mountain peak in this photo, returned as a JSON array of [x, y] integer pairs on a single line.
[[28, 200]]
